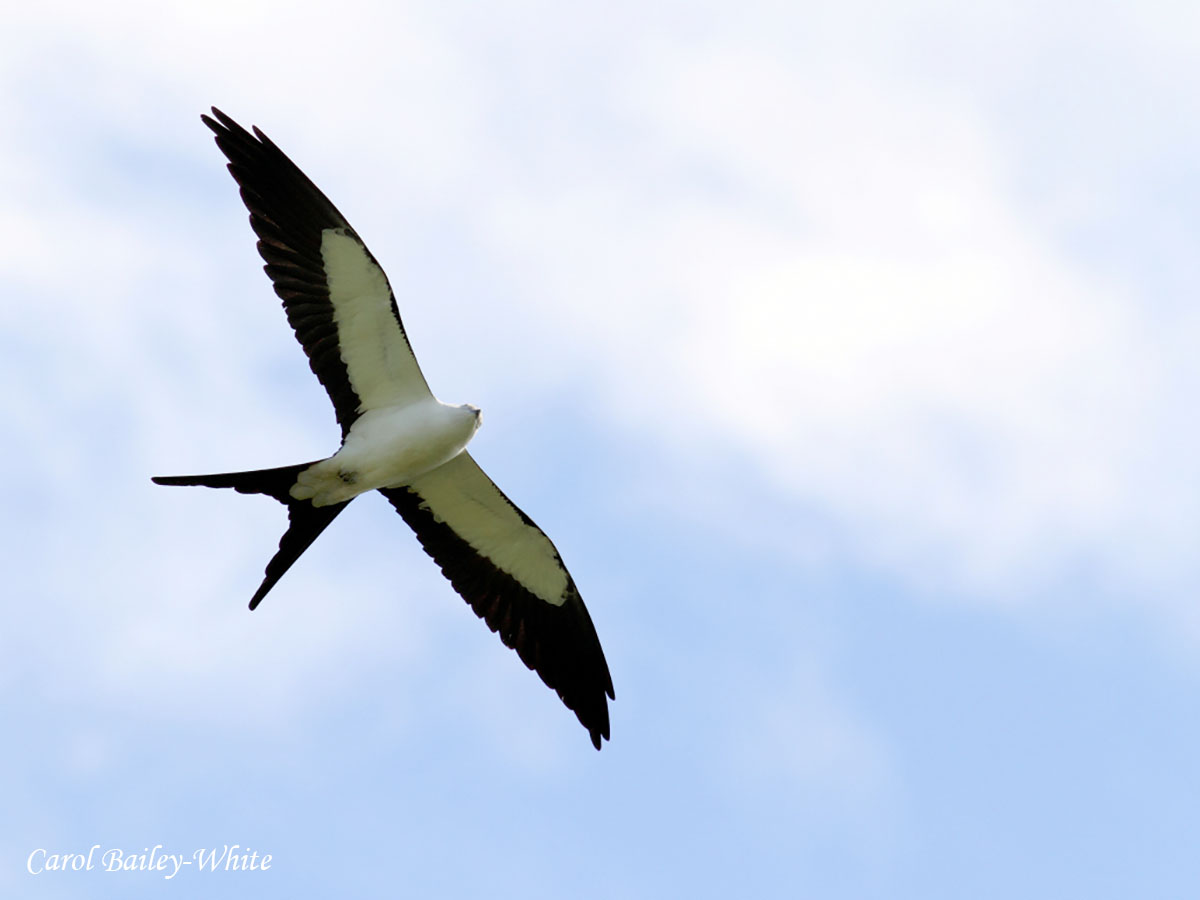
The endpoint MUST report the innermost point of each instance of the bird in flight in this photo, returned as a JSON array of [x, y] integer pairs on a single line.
[[397, 438]]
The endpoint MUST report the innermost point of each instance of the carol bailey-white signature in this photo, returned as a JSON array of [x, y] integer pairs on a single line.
[[229, 858]]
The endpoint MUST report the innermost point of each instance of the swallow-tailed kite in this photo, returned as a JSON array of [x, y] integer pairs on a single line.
[[397, 438]]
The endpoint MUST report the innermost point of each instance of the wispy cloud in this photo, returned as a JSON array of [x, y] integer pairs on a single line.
[[836, 276]]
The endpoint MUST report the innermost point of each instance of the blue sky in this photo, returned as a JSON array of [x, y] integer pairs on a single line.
[[848, 357]]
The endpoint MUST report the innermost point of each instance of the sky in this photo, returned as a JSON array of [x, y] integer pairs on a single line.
[[846, 354]]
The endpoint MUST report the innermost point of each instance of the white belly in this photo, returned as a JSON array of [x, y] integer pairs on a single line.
[[388, 448]]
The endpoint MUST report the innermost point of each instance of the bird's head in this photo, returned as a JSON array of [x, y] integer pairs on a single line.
[[478, 414]]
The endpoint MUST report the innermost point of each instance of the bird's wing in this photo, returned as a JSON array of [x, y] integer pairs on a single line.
[[510, 573], [336, 296]]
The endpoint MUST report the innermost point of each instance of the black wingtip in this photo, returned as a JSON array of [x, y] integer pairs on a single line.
[[272, 573], [221, 118], [224, 126]]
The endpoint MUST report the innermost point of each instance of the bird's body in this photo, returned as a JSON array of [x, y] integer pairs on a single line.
[[397, 437], [388, 447]]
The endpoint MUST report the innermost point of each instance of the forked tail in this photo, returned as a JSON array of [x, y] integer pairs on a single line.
[[305, 521]]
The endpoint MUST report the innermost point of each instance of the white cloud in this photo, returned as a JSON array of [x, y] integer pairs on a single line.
[[831, 275]]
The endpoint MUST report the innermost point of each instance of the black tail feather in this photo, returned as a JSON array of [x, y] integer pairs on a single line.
[[272, 482], [305, 521]]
